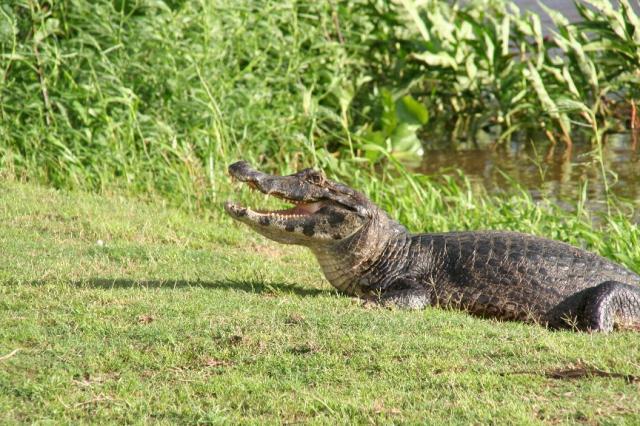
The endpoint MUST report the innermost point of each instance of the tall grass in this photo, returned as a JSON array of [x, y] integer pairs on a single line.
[[157, 96], [160, 96]]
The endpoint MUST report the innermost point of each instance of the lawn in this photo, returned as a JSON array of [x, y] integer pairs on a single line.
[[116, 310]]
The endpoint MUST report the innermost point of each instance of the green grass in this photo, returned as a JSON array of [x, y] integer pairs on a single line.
[[132, 312]]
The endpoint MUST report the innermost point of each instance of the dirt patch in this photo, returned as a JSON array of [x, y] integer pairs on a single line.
[[268, 250], [578, 372], [145, 319], [308, 348], [294, 319], [212, 362], [380, 408], [587, 372]]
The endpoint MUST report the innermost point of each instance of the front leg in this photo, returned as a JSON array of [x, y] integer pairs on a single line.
[[403, 293]]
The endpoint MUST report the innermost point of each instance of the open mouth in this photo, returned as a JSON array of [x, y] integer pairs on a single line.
[[299, 208], [291, 189]]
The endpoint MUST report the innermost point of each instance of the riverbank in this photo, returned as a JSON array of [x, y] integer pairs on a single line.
[[101, 97]]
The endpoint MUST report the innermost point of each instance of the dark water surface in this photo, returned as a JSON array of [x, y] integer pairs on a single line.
[[555, 176]]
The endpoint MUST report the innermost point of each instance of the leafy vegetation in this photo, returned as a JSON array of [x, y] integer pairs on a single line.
[[487, 64], [103, 95], [100, 95]]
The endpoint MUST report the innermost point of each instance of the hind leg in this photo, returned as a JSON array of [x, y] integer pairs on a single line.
[[611, 305]]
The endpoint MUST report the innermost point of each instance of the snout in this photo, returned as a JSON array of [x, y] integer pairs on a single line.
[[242, 171], [235, 210]]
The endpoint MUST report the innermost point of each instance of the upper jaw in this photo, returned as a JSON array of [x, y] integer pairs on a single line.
[[242, 171], [289, 188]]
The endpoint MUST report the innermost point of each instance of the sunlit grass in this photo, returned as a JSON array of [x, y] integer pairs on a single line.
[[182, 318]]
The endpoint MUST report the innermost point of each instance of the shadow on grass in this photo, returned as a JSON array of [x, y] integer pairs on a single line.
[[248, 286]]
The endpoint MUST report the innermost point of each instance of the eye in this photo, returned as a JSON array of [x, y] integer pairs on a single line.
[[316, 178]]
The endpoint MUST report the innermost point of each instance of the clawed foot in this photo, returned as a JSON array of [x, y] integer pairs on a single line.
[[367, 302], [395, 299]]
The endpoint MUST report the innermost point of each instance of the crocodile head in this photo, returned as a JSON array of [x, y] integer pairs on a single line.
[[323, 210]]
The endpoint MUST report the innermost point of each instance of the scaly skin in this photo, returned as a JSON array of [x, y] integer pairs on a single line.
[[494, 274]]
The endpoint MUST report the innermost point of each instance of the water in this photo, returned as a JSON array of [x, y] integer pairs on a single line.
[[555, 176], [565, 6]]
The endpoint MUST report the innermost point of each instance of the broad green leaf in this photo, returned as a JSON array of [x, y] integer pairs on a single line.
[[568, 105], [505, 33], [374, 137], [412, 10], [585, 64], [472, 69], [372, 151], [537, 34], [632, 19], [616, 19], [440, 59], [586, 13], [411, 111], [442, 27], [519, 96], [558, 18], [555, 73], [490, 49], [404, 140], [569, 80], [465, 32], [389, 116], [549, 106]]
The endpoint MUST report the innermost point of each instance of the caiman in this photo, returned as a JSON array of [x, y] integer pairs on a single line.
[[495, 274]]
